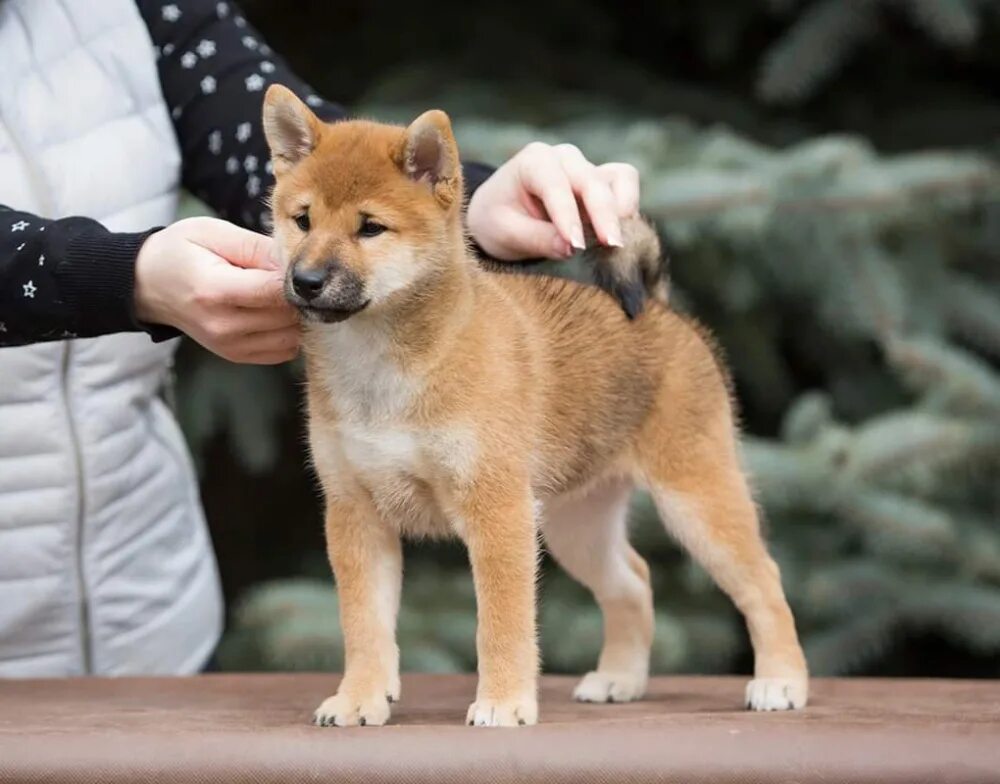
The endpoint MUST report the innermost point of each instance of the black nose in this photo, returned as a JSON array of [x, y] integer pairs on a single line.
[[308, 282]]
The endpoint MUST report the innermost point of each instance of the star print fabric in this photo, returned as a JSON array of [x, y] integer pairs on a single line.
[[63, 278], [214, 68]]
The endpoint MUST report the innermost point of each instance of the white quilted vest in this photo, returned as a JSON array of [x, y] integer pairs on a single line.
[[105, 562]]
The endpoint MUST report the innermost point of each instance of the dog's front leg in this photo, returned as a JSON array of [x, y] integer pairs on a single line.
[[366, 557], [499, 528]]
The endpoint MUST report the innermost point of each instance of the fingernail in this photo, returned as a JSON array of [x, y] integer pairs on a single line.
[[577, 237], [561, 248], [615, 239]]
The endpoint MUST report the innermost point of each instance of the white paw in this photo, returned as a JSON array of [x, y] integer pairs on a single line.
[[346, 710], [507, 713], [610, 687], [777, 694]]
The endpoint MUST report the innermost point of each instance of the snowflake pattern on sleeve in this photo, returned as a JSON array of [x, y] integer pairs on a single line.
[[21, 279], [214, 68], [64, 278]]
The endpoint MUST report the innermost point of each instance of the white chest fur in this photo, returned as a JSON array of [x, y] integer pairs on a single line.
[[410, 472], [365, 385], [374, 441]]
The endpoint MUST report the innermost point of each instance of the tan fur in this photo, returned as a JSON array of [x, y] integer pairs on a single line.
[[456, 401]]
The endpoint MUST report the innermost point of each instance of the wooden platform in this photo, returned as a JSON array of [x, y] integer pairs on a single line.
[[256, 728]]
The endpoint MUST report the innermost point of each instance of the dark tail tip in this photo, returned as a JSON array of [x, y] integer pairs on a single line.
[[635, 272], [630, 292]]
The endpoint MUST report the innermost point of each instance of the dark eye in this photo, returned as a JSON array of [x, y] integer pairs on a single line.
[[370, 228], [302, 220]]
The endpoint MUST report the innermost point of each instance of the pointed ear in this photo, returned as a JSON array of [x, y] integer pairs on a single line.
[[429, 154], [290, 126]]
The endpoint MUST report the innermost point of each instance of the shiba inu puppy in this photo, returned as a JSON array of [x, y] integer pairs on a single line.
[[445, 399]]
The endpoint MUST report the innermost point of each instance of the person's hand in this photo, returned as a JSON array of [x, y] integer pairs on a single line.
[[218, 283], [530, 206]]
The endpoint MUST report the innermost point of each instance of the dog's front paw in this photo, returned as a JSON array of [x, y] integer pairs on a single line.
[[777, 694], [600, 686], [346, 709], [503, 713]]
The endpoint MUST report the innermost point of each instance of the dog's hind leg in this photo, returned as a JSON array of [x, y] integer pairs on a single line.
[[587, 535], [704, 500]]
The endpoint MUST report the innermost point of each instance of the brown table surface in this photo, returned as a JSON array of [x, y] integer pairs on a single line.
[[256, 728]]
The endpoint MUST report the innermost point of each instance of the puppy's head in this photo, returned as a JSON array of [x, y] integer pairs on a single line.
[[364, 213]]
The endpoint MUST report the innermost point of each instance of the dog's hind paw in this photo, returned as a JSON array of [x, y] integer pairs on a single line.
[[600, 686], [777, 694]]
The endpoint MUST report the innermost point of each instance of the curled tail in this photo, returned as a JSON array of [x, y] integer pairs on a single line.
[[634, 272]]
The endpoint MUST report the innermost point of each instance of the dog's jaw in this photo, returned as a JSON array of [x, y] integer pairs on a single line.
[[328, 315]]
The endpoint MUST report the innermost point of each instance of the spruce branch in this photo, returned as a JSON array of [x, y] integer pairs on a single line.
[[886, 445], [950, 378], [973, 313], [953, 23], [827, 34], [853, 644], [969, 614], [905, 526], [818, 44]]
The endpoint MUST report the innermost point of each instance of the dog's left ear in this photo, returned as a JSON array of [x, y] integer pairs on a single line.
[[291, 128], [429, 154]]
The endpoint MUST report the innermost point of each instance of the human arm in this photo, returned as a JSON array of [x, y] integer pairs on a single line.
[[64, 278], [72, 278]]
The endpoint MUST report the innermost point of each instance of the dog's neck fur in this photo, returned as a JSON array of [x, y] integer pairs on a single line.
[[374, 365]]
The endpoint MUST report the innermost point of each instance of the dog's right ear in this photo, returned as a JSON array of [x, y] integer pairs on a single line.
[[428, 154], [290, 126]]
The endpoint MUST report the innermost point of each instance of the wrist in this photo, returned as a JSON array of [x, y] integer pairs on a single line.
[[96, 275], [149, 304]]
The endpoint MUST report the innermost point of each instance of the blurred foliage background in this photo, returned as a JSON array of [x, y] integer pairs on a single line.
[[825, 173]]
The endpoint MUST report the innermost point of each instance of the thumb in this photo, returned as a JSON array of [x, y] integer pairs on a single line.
[[516, 235], [249, 288], [240, 247]]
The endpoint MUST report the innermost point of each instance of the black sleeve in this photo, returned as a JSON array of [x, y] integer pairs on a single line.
[[214, 68], [64, 278]]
